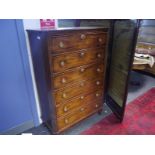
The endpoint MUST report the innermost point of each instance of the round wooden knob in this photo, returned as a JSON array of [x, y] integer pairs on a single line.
[[62, 63], [61, 44], [82, 109], [66, 121], [97, 94], [98, 82], [83, 36], [64, 95], [65, 109], [82, 54], [99, 55], [82, 84], [63, 80], [96, 105], [82, 97], [100, 40], [98, 70], [82, 69]]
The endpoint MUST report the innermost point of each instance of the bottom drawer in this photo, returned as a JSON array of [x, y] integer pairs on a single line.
[[80, 114]]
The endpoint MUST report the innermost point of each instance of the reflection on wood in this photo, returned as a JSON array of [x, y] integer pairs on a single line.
[[117, 86]]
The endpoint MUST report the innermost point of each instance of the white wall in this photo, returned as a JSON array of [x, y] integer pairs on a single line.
[[32, 24]]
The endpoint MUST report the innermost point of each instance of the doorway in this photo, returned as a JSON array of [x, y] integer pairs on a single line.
[[142, 76]]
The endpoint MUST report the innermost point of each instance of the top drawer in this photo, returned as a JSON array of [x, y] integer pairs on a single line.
[[77, 40]]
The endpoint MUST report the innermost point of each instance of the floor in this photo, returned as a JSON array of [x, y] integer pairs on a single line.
[[146, 82]]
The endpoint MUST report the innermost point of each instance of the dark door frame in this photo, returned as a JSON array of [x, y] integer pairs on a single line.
[[114, 107]]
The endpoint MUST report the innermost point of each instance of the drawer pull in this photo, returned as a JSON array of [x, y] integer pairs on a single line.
[[98, 70], [83, 36], [82, 109], [82, 84], [100, 40], [64, 95], [82, 54], [99, 55], [97, 82], [82, 97], [96, 105], [65, 109], [97, 94], [66, 121], [61, 44], [63, 80], [62, 63], [82, 69]]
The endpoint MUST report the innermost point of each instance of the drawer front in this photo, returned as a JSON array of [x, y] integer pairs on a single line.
[[82, 87], [79, 114], [75, 59], [79, 101], [81, 73], [57, 44]]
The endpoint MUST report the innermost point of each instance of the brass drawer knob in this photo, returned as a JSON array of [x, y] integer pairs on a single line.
[[82, 54], [62, 63], [64, 95], [97, 82], [66, 121], [150, 48], [63, 80], [100, 40], [98, 70], [61, 44], [82, 97], [65, 109], [96, 105], [97, 94], [83, 36], [99, 55], [82, 84], [82, 109], [82, 69]]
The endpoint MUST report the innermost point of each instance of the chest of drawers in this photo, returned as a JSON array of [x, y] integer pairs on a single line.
[[69, 67]]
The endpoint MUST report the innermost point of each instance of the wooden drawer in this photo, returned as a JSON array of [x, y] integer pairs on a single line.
[[80, 88], [79, 114], [74, 59], [81, 73], [78, 40], [70, 106]]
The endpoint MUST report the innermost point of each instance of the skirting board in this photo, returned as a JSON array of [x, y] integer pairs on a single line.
[[19, 129]]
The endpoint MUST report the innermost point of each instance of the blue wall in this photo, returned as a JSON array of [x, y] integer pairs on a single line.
[[17, 103]]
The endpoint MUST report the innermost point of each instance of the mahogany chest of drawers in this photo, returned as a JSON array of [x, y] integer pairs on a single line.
[[69, 67]]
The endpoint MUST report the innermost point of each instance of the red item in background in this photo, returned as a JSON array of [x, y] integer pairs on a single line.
[[139, 119], [47, 23]]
